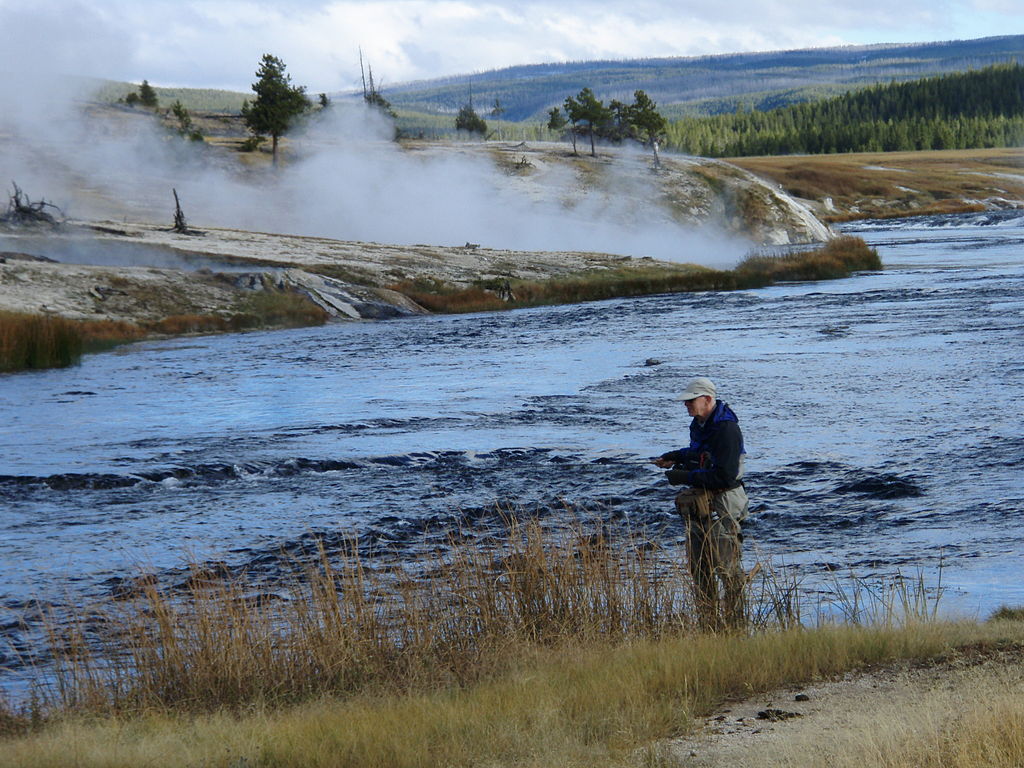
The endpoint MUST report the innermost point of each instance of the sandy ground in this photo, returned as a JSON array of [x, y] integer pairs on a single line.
[[810, 725]]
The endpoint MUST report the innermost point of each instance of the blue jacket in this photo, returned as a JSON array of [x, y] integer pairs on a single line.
[[712, 460]]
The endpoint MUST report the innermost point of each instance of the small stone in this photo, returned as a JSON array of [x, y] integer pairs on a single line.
[[650, 361], [775, 715], [801, 697]]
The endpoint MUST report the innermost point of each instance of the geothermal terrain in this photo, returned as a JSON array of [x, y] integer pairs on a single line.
[[348, 214]]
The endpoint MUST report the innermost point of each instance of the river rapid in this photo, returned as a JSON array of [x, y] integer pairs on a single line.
[[882, 416]]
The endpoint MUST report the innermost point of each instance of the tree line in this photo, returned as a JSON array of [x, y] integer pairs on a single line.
[[983, 108], [586, 115]]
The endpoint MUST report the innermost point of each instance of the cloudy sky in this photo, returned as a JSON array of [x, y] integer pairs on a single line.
[[217, 43]]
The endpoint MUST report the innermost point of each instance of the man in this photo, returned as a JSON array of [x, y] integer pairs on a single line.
[[713, 506]]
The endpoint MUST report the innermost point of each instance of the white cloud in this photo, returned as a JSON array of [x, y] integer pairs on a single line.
[[218, 43]]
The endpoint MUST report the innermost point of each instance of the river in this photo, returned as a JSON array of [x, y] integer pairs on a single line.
[[882, 416]]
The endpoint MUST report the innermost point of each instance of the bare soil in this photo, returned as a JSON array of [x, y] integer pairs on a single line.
[[784, 727]]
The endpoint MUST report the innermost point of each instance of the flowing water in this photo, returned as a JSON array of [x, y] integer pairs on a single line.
[[882, 416]]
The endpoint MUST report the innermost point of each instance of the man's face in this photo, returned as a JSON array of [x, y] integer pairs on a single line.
[[700, 407]]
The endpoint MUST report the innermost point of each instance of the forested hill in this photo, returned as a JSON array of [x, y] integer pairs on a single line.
[[707, 84], [983, 108]]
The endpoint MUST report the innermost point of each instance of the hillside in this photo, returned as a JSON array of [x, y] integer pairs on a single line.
[[962, 110], [705, 84], [700, 85]]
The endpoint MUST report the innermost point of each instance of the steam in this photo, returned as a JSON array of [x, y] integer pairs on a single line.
[[344, 179]]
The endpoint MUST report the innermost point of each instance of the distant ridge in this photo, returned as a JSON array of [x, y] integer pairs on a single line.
[[704, 84]]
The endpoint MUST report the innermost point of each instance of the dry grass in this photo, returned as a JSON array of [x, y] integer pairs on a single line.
[[579, 704], [342, 629], [263, 309], [873, 185], [837, 258], [37, 341], [542, 649], [30, 341]]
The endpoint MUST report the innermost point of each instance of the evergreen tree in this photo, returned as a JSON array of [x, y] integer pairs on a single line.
[[983, 108], [185, 125], [468, 120], [278, 103], [556, 120], [147, 96], [572, 112], [650, 124], [588, 109]]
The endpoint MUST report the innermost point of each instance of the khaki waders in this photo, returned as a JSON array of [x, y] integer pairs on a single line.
[[714, 546]]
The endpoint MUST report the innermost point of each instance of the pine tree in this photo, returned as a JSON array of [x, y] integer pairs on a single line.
[[650, 124], [278, 103], [468, 120], [147, 96], [587, 108]]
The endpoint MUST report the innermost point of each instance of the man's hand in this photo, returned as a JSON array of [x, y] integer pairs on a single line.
[[663, 463]]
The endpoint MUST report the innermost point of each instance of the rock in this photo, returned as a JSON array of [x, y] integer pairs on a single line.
[[776, 715], [652, 361], [341, 299], [801, 697]]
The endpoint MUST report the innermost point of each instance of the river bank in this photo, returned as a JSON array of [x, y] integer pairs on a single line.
[[925, 695], [306, 281]]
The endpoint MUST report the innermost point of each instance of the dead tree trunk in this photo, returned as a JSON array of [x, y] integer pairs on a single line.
[[180, 225]]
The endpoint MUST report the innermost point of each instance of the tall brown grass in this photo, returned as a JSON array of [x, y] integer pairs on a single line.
[[37, 341], [837, 258], [43, 341], [341, 627], [536, 649], [595, 704]]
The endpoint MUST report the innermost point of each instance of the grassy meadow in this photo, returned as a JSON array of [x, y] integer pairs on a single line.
[[540, 649], [884, 184]]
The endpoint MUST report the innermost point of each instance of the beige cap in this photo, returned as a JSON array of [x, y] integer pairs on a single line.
[[698, 388]]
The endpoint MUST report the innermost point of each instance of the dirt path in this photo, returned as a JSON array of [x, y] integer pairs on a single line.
[[828, 723]]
